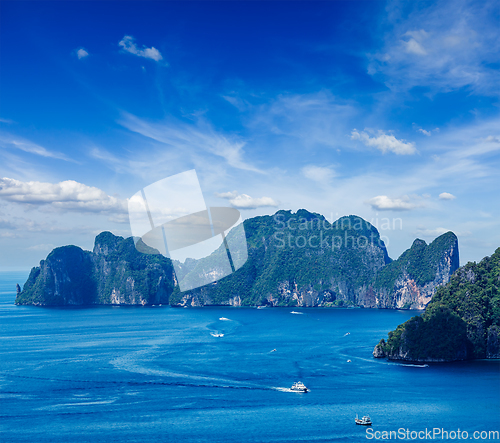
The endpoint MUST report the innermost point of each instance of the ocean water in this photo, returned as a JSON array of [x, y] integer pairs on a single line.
[[161, 374]]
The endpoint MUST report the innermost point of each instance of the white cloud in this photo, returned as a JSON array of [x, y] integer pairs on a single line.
[[492, 139], [385, 203], [315, 120], [227, 195], [81, 53], [414, 47], [6, 120], [423, 131], [446, 196], [445, 46], [431, 232], [67, 195], [32, 148], [244, 201], [237, 102], [191, 138], [128, 44], [42, 247], [385, 142], [320, 174]]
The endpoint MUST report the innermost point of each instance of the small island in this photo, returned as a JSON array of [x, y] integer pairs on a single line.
[[462, 321]]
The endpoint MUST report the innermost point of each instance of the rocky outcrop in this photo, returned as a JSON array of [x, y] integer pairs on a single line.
[[461, 322], [64, 278], [379, 351], [114, 273], [410, 281], [294, 259]]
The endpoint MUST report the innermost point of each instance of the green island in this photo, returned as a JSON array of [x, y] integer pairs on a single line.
[[294, 259], [461, 322]]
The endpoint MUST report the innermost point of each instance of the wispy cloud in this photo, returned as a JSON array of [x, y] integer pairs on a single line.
[[128, 44], [194, 138], [385, 142], [244, 201], [7, 140], [445, 45], [319, 174], [314, 120], [413, 45], [42, 247], [67, 195], [435, 232]]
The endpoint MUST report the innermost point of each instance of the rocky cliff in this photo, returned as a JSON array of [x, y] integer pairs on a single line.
[[410, 281], [114, 273], [461, 322], [294, 259]]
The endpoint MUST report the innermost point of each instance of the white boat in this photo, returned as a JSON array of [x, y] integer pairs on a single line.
[[299, 387], [214, 334], [365, 421]]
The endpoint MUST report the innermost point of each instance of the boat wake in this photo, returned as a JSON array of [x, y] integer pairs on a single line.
[[295, 312], [277, 388], [415, 366], [224, 319]]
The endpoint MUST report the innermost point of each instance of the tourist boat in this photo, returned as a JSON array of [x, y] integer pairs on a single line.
[[365, 421], [299, 387]]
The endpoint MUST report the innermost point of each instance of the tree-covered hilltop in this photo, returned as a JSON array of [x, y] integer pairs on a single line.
[[461, 322], [65, 277], [294, 259], [114, 273], [299, 259]]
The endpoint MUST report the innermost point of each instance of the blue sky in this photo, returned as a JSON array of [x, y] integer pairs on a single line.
[[387, 110]]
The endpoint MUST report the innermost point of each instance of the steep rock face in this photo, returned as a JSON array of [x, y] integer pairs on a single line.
[[303, 260], [379, 351], [410, 281], [64, 278], [299, 259], [462, 321], [126, 276], [114, 273], [294, 259]]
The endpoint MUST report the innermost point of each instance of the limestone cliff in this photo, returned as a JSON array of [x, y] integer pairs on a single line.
[[461, 322], [410, 281], [294, 259], [114, 273]]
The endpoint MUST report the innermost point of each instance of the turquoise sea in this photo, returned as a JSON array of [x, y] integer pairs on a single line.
[[158, 374]]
